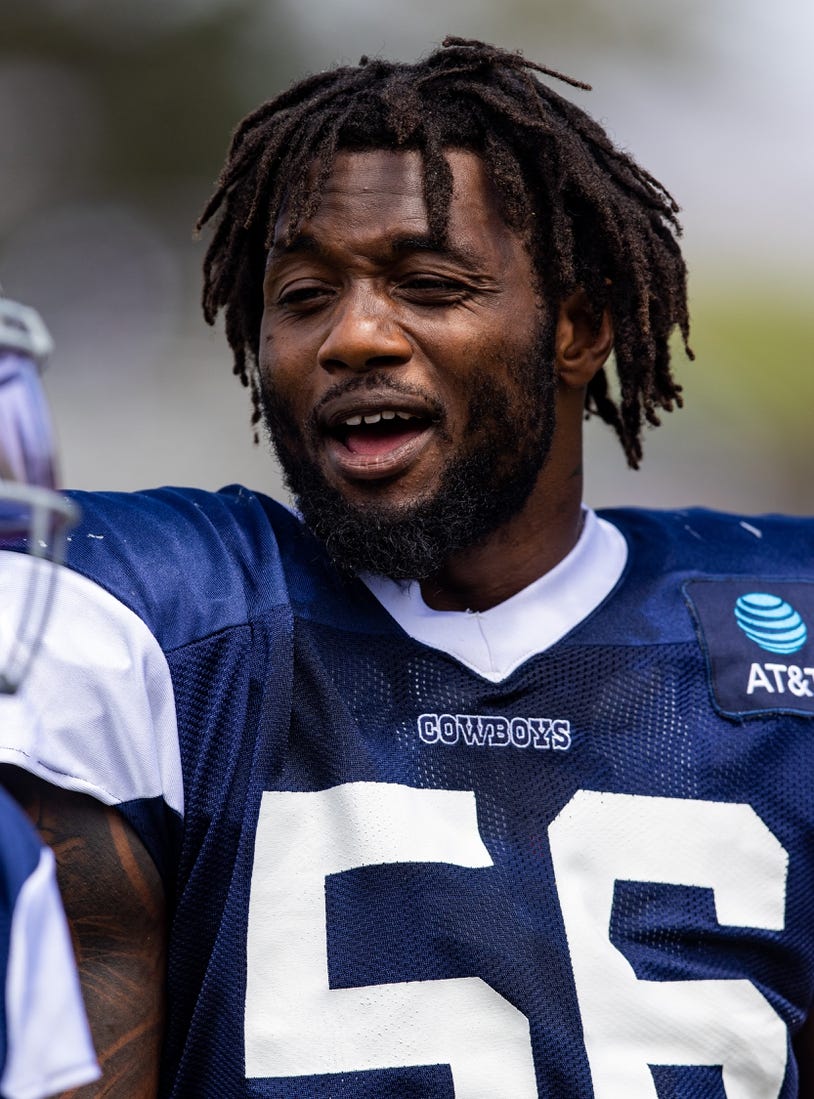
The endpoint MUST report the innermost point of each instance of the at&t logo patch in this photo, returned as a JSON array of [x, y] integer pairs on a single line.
[[749, 629]]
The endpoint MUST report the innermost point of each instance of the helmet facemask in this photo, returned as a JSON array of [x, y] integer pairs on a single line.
[[34, 518]]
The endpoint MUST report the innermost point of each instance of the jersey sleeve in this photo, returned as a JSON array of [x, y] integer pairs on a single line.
[[149, 576], [96, 714]]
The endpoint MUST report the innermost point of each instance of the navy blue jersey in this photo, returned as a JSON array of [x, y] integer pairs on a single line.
[[402, 865], [44, 1040]]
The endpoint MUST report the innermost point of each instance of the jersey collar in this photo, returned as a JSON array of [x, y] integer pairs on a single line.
[[494, 642]]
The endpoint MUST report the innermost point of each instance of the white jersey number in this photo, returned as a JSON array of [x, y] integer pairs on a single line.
[[296, 1025], [599, 839]]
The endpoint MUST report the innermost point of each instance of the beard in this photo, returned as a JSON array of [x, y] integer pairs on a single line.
[[509, 430]]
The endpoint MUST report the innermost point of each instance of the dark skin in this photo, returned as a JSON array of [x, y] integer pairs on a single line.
[[352, 296], [114, 900], [804, 1052], [362, 289]]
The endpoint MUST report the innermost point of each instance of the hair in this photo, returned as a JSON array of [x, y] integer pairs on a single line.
[[591, 218]]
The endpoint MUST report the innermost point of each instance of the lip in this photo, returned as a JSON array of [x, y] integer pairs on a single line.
[[376, 467], [350, 465], [356, 404]]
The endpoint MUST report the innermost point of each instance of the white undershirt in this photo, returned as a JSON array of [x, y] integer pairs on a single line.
[[494, 642]]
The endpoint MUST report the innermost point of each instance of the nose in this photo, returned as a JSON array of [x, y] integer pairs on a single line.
[[364, 334]]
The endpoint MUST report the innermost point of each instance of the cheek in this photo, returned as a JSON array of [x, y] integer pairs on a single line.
[[280, 364], [285, 389], [502, 352], [280, 340], [266, 354]]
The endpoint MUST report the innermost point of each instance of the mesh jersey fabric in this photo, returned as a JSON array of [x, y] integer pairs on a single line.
[[396, 878]]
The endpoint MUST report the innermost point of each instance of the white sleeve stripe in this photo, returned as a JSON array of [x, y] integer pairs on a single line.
[[49, 1047], [97, 712], [57, 778]]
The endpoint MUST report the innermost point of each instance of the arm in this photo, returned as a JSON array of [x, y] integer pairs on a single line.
[[114, 901], [804, 1051]]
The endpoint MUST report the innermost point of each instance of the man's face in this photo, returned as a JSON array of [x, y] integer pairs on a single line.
[[408, 386]]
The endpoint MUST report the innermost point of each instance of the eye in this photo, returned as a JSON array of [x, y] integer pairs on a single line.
[[302, 295], [433, 289]]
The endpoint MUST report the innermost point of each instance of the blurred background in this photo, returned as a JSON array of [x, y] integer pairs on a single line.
[[114, 119]]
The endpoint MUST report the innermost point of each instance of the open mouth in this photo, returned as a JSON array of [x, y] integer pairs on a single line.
[[377, 433], [377, 439]]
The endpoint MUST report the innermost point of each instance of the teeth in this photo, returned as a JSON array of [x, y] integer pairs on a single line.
[[375, 417]]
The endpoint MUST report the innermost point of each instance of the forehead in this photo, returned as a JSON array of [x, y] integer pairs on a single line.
[[381, 192]]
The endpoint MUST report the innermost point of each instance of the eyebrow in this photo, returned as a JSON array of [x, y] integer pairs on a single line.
[[402, 244]]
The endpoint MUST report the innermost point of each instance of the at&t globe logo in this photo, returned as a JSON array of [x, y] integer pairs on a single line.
[[771, 623]]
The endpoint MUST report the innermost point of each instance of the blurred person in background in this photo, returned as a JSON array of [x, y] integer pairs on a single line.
[[447, 784], [45, 1044]]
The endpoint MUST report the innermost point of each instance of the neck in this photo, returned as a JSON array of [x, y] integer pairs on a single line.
[[518, 553]]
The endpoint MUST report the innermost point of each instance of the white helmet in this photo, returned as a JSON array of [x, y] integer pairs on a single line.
[[33, 516]]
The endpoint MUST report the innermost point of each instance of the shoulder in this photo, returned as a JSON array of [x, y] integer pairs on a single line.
[[678, 558], [185, 561], [149, 576], [697, 540]]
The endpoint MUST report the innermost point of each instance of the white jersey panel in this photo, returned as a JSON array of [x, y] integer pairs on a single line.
[[493, 643], [100, 714], [48, 1040]]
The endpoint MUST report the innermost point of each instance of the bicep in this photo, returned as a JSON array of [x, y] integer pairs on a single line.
[[804, 1052], [114, 901]]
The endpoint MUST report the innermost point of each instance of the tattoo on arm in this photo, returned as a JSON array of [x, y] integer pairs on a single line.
[[804, 1052], [114, 901]]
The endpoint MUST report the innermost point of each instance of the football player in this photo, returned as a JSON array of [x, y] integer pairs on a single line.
[[450, 785], [45, 1043]]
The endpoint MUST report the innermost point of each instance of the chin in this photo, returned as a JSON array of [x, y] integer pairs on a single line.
[[392, 498], [409, 525]]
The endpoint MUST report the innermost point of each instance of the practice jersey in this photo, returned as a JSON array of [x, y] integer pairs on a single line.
[[45, 1044], [561, 848]]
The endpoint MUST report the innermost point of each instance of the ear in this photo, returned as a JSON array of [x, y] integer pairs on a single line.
[[581, 348]]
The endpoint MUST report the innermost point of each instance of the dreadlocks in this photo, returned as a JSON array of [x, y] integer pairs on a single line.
[[591, 217]]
